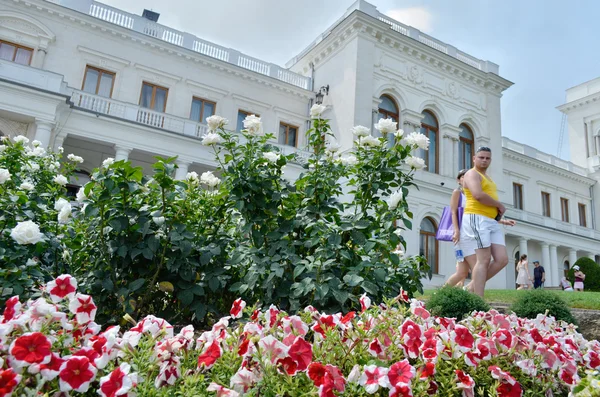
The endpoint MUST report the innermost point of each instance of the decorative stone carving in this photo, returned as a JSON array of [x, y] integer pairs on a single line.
[[20, 26], [415, 74], [12, 128], [452, 90]]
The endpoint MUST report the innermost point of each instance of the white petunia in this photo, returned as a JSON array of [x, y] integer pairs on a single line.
[[317, 110], [417, 139], [27, 185], [211, 138], [253, 125], [369, 140], [272, 157], [108, 162], [395, 199], [360, 130], [349, 159], [215, 122], [75, 159], [61, 180], [415, 162], [21, 139], [4, 175], [386, 126]]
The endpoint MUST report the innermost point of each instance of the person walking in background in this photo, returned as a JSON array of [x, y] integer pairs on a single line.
[[579, 277], [523, 277], [457, 200], [539, 275], [566, 285]]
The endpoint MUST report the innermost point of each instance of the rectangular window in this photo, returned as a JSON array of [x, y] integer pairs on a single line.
[[15, 53], [288, 134], [465, 154], [202, 109], [518, 196], [98, 81], [582, 217], [154, 97], [242, 114], [564, 209], [546, 204]]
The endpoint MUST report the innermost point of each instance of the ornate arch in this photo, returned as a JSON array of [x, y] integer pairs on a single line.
[[474, 124], [22, 29], [434, 108], [392, 91]]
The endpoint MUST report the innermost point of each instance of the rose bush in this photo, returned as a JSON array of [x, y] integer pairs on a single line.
[[52, 345]]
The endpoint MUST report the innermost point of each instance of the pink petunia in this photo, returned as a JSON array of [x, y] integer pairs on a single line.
[[401, 373], [411, 334], [237, 308], [63, 286], [222, 391], [273, 348], [401, 390], [465, 382], [243, 380], [462, 337], [301, 352], [287, 366]]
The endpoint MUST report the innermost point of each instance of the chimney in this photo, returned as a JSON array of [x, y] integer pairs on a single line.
[[150, 15]]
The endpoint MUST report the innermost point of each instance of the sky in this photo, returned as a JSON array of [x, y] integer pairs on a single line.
[[542, 46]]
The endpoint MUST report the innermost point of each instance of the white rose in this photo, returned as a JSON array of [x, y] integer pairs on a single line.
[[27, 185], [75, 159], [80, 196], [349, 160], [33, 167], [360, 130], [211, 139], [4, 175], [398, 134], [108, 162], [61, 149], [37, 152], [64, 214], [394, 199], [192, 177], [209, 179], [333, 147], [60, 203], [415, 162], [369, 140], [398, 252], [215, 122], [36, 143], [386, 126], [253, 125], [317, 110], [272, 156], [2, 148], [26, 232], [61, 180], [417, 139], [21, 139]]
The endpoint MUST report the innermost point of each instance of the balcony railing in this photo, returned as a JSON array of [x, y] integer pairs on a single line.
[[552, 223], [161, 32]]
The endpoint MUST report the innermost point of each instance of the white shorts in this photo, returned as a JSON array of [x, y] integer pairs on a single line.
[[478, 231]]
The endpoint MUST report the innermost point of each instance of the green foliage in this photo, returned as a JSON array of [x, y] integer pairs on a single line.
[[455, 302], [28, 192], [538, 301], [592, 273]]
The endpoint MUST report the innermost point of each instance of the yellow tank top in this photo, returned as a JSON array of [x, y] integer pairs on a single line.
[[475, 207]]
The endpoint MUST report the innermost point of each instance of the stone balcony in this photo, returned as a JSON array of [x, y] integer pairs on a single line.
[[186, 40], [551, 223]]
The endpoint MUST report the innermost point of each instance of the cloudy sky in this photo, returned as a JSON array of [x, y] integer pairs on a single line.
[[543, 46]]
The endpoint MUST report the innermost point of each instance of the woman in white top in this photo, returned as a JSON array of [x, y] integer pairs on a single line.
[[523, 277], [458, 199]]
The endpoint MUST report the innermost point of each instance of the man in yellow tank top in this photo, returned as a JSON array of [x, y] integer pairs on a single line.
[[481, 236]]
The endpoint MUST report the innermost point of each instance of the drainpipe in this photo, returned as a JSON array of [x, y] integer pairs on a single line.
[[593, 208], [312, 89]]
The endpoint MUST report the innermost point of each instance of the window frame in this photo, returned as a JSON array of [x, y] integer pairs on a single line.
[[463, 142], [287, 125], [429, 128], [100, 72], [386, 113], [17, 46], [154, 87], [518, 191], [564, 209], [203, 100], [247, 114], [582, 214], [435, 270], [546, 201]]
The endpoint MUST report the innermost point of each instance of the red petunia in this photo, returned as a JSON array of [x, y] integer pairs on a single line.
[[507, 390], [365, 302], [401, 391], [428, 370], [287, 365], [83, 307], [8, 381], [317, 373], [210, 356], [237, 308], [401, 373], [11, 308], [31, 348], [463, 338], [76, 373], [301, 352], [52, 369], [243, 347], [62, 286], [117, 383]]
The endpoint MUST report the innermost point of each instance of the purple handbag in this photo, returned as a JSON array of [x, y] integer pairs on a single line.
[[445, 229]]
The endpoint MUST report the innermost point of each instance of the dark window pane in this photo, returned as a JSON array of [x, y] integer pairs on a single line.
[[465, 132], [291, 137], [7, 51], [429, 119], [388, 104], [23, 56], [91, 81], [106, 83], [240, 120], [196, 110], [146, 99], [209, 110]]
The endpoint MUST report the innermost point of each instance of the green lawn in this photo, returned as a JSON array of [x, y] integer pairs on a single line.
[[578, 300]]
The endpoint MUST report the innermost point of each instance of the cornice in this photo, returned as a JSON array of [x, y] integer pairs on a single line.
[[205, 87], [99, 54], [158, 72], [568, 107], [157, 44], [547, 167]]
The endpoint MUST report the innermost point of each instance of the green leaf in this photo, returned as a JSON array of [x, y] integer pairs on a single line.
[[91, 211], [369, 287], [407, 223], [186, 297], [108, 285], [358, 237], [137, 284], [339, 295], [298, 270], [353, 279], [122, 251], [148, 254], [153, 243], [362, 224], [334, 239], [214, 284]]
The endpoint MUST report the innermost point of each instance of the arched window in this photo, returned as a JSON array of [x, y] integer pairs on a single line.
[[566, 268], [465, 148], [430, 128], [428, 245], [388, 109]]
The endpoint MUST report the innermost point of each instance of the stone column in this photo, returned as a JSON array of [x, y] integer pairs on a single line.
[[122, 153], [43, 132], [552, 274], [523, 245], [591, 140], [182, 169], [572, 257], [546, 261], [449, 162], [592, 256], [39, 58]]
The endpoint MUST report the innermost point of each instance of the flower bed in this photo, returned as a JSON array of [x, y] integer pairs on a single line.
[[53, 345]]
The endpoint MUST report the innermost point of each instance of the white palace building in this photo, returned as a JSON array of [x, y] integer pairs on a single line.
[[103, 83]]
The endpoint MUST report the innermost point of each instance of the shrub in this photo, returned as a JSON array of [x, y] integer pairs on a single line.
[[455, 302], [538, 301], [592, 273]]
